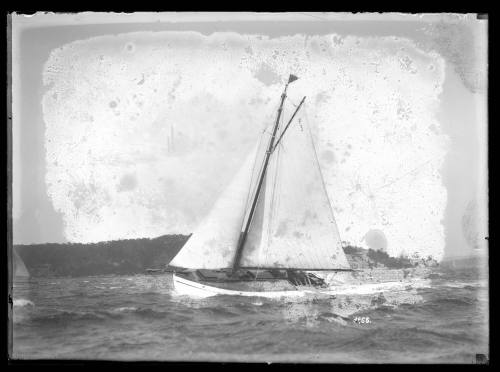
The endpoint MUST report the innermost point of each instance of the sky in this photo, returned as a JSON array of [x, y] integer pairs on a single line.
[[130, 126]]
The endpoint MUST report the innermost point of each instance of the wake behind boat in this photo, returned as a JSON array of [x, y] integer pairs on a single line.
[[271, 229]]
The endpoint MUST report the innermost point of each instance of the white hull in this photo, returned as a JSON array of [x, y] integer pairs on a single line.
[[194, 289]]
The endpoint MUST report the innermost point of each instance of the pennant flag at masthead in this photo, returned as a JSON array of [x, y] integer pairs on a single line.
[[292, 78]]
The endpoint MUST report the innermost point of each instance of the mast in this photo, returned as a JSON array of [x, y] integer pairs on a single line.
[[244, 233], [289, 122]]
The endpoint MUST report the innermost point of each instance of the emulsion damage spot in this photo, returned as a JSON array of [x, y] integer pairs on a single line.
[[375, 239], [328, 156], [127, 183], [267, 75]]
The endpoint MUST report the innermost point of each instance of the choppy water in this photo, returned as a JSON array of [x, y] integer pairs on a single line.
[[439, 320]]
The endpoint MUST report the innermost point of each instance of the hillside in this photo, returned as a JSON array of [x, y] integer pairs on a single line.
[[129, 256], [134, 256]]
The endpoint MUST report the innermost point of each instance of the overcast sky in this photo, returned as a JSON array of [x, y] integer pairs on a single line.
[[130, 126]]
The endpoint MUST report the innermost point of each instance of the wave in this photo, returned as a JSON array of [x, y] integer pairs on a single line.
[[124, 309], [455, 284], [220, 311], [22, 302], [329, 316], [61, 316], [65, 316], [453, 301], [374, 288]]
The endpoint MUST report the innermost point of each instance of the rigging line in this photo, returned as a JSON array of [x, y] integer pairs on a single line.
[[273, 204], [288, 124], [252, 221], [251, 190], [274, 197], [254, 190], [263, 243], [259, 197], [269, 126], [265, 237], [321, 176], [261, 204], [409, 172], [269, 202], [253, 173], [251, 224], [272, 180]]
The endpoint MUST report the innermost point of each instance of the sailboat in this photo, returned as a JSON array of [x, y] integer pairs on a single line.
[[272, 232], [20, 270]]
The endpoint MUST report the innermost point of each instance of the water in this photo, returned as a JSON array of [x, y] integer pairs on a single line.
[[443, 319]]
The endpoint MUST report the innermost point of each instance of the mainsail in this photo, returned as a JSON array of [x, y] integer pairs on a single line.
[[294, 226]]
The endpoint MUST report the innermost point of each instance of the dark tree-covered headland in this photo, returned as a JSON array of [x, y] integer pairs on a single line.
[[137, 256], [130, 256]]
